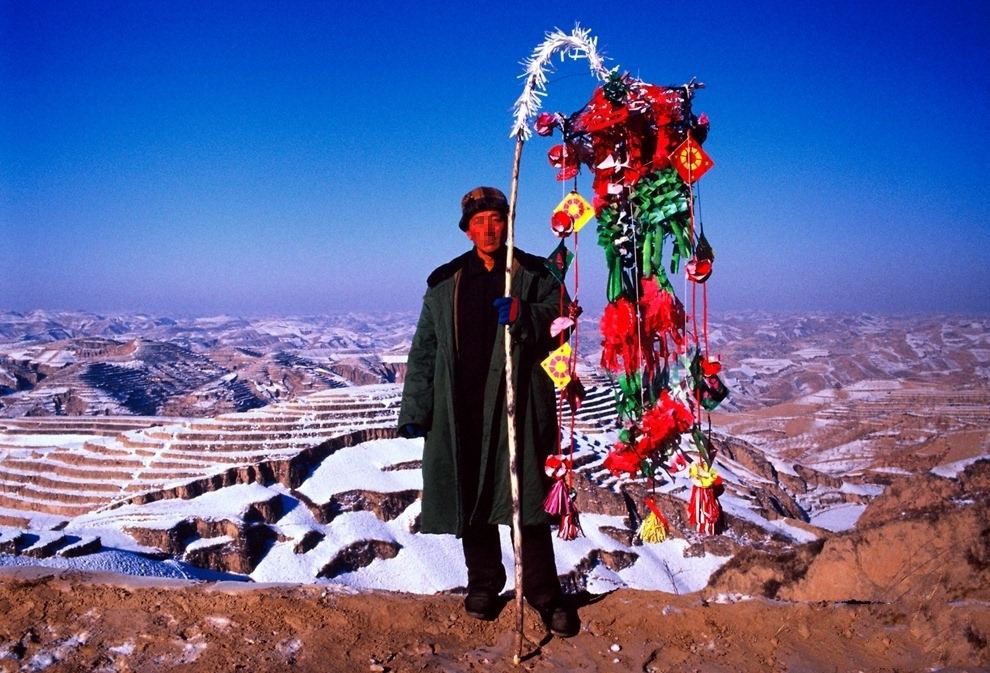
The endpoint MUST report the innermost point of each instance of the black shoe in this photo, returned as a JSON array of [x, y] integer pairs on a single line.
[[481, 605], [561, 619]]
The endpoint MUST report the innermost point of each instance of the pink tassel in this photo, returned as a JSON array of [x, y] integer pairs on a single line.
[[557, 503], [569, 526]]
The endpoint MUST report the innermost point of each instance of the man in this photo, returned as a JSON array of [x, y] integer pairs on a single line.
[[454, 395]]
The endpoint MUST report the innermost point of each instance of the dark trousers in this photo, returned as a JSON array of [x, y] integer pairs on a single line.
[[483, 557]]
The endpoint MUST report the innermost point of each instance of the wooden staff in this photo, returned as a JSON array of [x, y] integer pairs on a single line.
[[510, 410], [578, 44]]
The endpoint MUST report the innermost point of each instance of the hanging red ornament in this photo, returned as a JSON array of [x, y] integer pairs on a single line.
[[563, 158], [663, 316], [557, 501], [569, 526], [556, 465], [618, 327], [546, 123], [700, 266], [703, 508], [561, 224]]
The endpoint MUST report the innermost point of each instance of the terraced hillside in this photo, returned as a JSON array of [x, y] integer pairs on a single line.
[[69, 466], [318, 489]]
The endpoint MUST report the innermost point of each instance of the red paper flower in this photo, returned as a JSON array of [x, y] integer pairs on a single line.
[[622, 459], [663, 423], [556, 465]]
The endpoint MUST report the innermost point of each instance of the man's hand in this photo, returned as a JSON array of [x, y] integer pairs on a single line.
[[412, 430], [508, 309]]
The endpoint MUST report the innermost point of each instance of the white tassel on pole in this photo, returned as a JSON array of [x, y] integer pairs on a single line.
[[577, 44]]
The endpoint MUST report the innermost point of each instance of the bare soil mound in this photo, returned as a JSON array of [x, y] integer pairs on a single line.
[[926, 537], [73, 621]]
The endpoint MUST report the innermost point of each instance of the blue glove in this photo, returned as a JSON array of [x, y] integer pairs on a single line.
[[508, 309], [412, 430]]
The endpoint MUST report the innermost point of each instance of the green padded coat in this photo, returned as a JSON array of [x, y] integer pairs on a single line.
[[427, 398]]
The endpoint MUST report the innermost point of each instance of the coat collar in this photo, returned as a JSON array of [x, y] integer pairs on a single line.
[[514, 285]]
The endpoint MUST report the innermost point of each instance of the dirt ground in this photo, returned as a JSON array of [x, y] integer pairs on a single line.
[[57, 620]]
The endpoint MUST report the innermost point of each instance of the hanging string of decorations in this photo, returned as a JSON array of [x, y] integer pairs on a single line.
[[642, 144]]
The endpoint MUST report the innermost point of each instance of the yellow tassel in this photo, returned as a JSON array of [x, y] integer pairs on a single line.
[[652, 530]]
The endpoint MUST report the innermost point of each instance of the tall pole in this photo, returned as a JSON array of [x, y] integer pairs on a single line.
[[510, 410], [577, 44]]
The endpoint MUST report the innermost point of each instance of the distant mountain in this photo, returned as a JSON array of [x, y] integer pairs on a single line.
[[55, 363]]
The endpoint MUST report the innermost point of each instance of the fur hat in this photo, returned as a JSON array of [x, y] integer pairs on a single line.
[[482, 198]]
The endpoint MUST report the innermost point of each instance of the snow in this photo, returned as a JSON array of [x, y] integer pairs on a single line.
[[360, 468], [44, 440], [125, 648], [811, 353], [44, 537], [208, 542], [954, 469], [740, 508], [225, 503], [862, 489], [981, 354], [781, 466], [730, 597], [871, 390], [891, 470], [765, 365], [839, 518], [120, 561], [917, 343], [663, 567], [823, 396], [842, 459]]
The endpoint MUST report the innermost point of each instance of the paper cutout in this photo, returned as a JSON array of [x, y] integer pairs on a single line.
[[557, 365], [690, 160], [578, 208]]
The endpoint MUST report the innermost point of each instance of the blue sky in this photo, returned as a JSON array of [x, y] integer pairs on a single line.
[[250, 158]]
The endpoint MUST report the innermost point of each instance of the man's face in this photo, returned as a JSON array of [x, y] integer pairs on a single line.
[[487, 230]]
